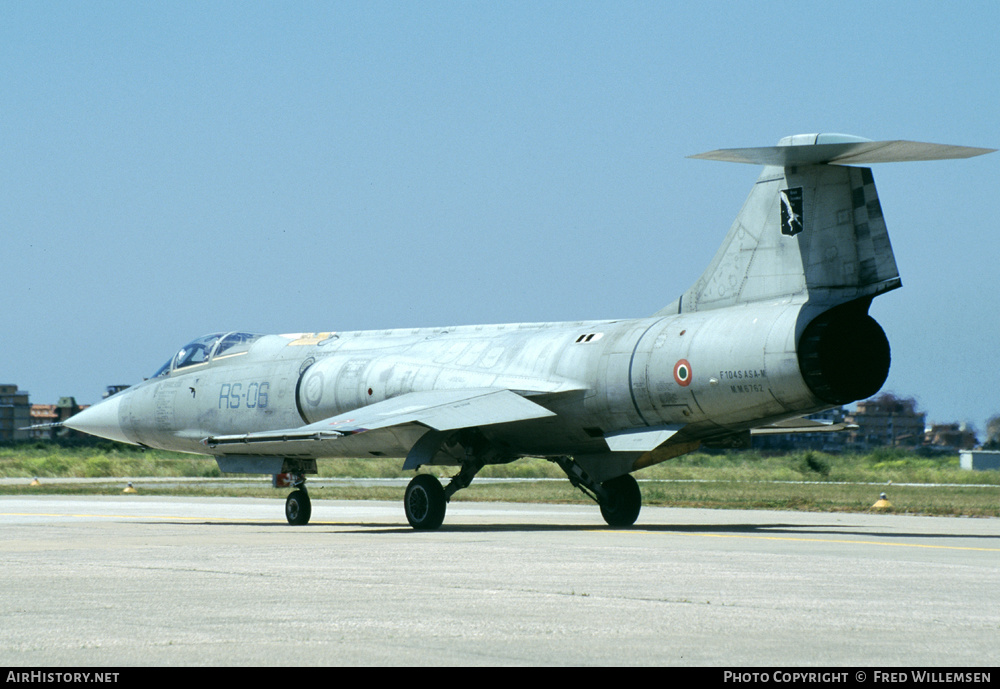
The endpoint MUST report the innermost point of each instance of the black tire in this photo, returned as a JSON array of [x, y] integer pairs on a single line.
[[424, 502], [298, 507], [624, 501]]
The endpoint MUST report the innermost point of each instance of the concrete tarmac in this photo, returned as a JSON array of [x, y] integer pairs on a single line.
[[136, 580]]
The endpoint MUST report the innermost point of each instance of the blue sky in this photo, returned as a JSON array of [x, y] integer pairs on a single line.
[[172, 169]]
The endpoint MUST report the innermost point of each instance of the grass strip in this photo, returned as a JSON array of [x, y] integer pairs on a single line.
[[809, 481]]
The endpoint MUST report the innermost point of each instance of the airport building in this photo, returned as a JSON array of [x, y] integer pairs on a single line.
[[979, 460]]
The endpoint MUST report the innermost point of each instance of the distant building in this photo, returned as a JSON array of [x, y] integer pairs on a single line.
[[55, 413], [886, 420], [979, 460], [43, 414], [952, 436], [15, 413]]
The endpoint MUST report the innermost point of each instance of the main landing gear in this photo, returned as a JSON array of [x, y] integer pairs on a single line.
[[426, 501], [622, 501], [619, 497], [298, 507]]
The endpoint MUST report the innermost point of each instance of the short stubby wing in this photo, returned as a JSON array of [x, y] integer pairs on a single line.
[[401, 421]]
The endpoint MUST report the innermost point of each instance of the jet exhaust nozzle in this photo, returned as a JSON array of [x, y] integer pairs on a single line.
[[844, 355]]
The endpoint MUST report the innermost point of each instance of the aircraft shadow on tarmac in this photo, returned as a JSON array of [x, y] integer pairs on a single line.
[[758, 529]]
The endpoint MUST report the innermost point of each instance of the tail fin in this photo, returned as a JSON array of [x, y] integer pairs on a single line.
[[811, 229]]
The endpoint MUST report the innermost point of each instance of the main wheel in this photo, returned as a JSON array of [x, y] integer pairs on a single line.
[[424, 502], [298, 507], [624, 501]]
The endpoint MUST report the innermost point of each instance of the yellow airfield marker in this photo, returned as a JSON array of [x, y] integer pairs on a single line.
[[882, 502]]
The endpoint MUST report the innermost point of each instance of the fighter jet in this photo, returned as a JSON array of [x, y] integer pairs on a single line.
[[776, 328]]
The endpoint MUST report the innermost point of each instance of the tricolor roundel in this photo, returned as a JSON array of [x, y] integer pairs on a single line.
[[682, 373]]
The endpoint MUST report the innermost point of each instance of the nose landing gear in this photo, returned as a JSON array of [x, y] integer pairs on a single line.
[[298, 507]]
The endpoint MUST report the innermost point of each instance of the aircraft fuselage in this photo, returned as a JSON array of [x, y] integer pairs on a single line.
[[714, 373]]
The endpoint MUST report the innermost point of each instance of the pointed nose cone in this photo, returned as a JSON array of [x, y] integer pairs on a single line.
[[100, 420]]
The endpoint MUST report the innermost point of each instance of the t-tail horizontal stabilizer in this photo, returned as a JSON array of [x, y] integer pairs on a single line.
[[811, 230], [840, 149]]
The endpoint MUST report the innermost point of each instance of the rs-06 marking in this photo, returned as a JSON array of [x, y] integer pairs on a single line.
[[231, 395]]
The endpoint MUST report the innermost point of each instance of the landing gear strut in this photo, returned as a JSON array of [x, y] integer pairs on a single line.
[[619, 497], [298, 507], [426, 500]]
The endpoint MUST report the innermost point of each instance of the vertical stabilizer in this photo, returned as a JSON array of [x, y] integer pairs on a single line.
[[811, 228], [805, 233]]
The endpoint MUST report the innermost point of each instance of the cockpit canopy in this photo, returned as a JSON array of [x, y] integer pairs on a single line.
[[208, 348]]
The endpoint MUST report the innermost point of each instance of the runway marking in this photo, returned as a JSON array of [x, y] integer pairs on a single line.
[[134, 517], [122, 516], [839, 540]]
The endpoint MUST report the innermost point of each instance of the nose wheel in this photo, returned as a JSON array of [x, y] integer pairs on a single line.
[[298, 507]]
